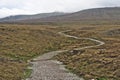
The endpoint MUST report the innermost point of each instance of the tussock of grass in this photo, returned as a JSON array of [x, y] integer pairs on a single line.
[[27, 73]]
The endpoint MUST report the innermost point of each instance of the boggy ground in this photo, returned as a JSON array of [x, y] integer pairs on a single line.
[[21, 43], [99, 63]]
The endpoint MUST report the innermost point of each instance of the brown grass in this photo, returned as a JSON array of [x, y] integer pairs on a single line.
[[100, 63], [19, 43]]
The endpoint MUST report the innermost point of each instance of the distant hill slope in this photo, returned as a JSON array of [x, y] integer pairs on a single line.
[[29, 17], [109, 13]]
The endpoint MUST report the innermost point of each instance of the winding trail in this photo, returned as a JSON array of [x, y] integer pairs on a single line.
[[46, 69]]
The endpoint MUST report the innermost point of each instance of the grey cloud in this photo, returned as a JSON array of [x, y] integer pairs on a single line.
[[109, 3]]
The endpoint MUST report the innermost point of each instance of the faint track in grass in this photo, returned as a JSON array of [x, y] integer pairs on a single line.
[[91, 39], [46, 69]]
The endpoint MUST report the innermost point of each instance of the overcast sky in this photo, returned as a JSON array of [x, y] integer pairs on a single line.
[[15, 7]]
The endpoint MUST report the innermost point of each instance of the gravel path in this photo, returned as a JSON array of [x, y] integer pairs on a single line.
[[46, 69]]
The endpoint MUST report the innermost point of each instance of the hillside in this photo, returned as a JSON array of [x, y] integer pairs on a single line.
[[95, 14], [110, 13], [29, 17]]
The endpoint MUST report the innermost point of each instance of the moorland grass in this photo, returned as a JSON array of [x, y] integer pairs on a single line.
[[20, 43], [99, 63]]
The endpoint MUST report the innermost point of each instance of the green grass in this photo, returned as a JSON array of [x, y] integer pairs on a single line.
[[102, 78], [27, 73]]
